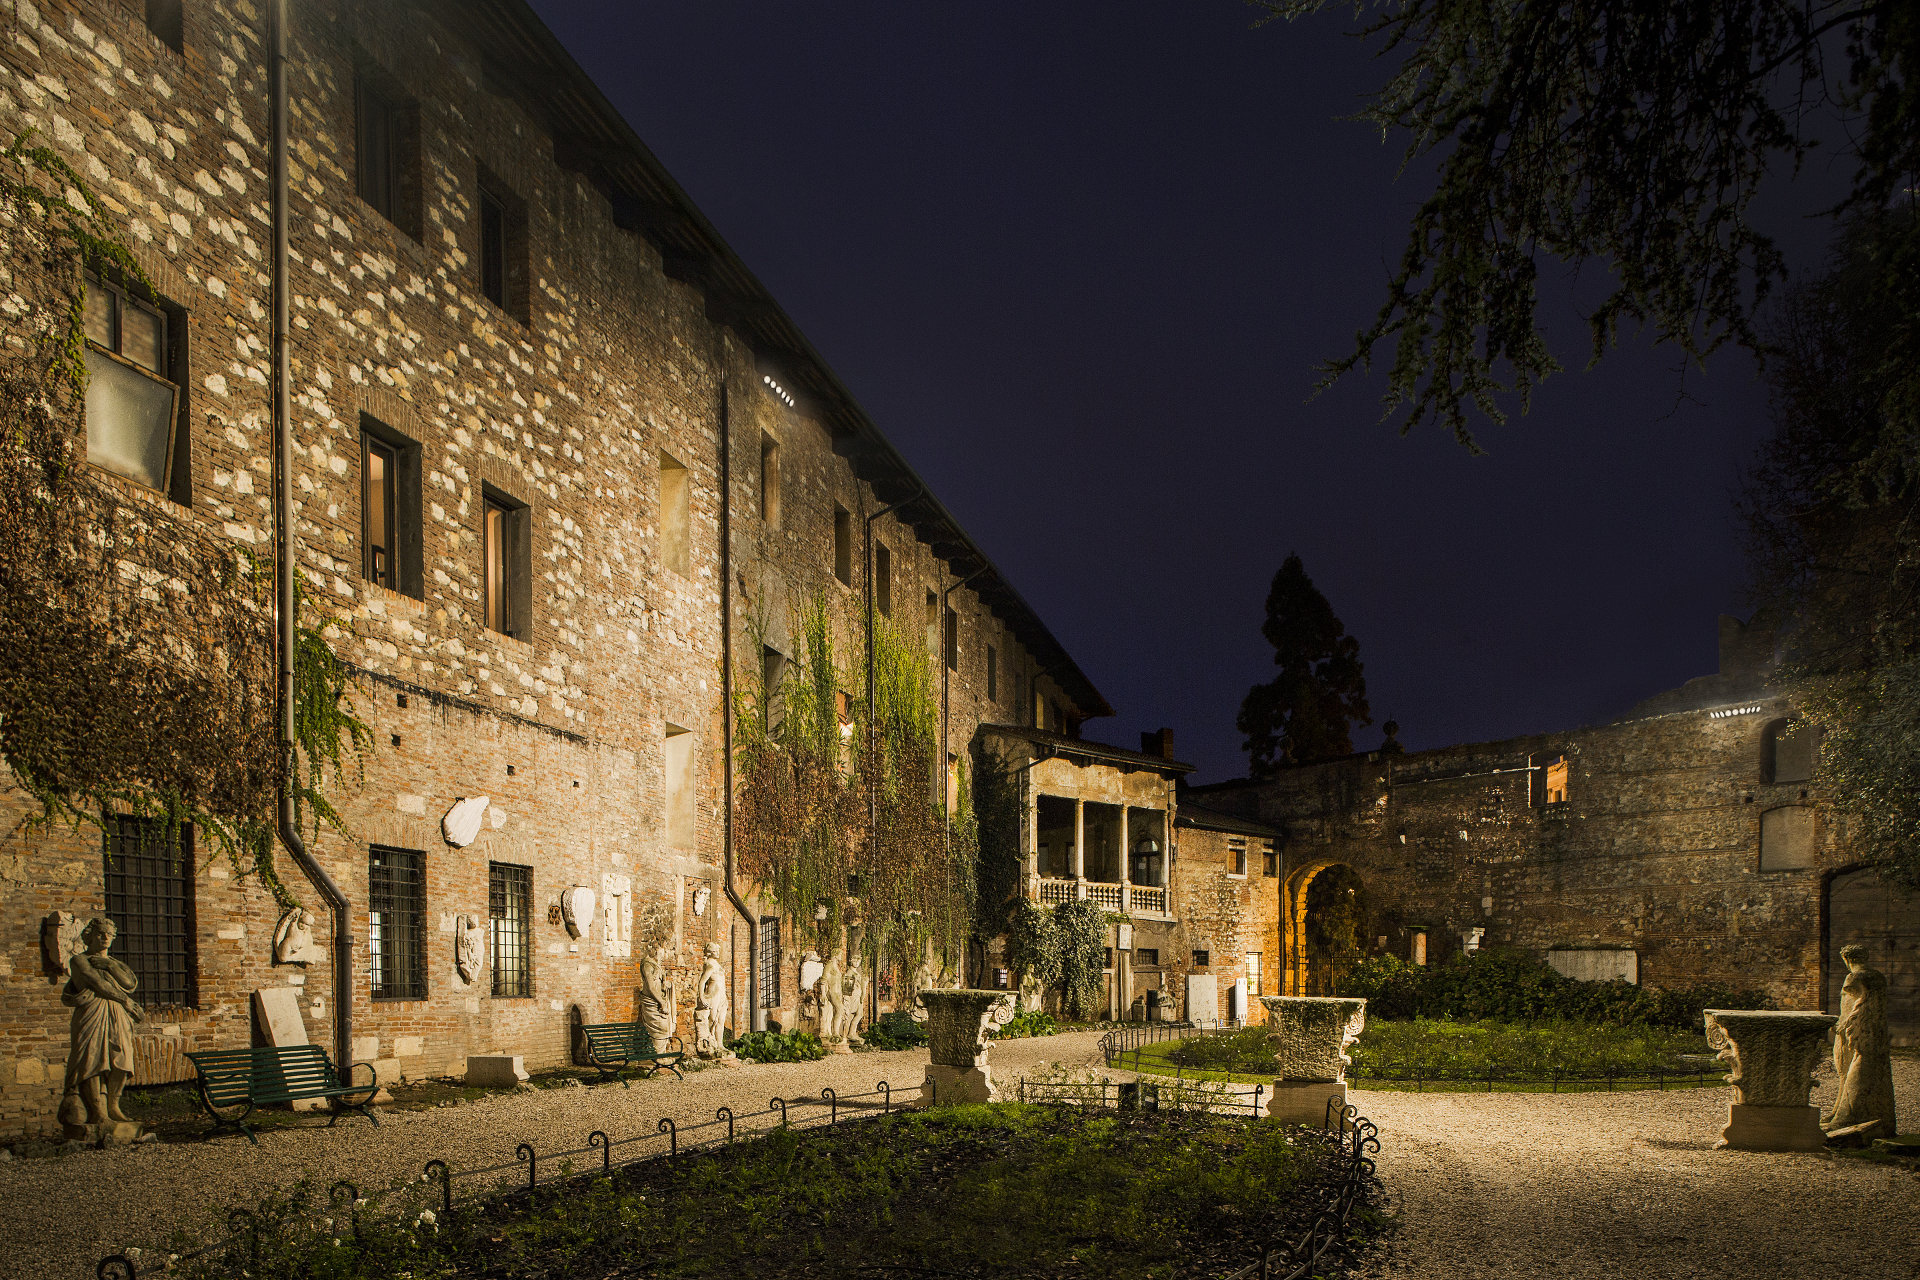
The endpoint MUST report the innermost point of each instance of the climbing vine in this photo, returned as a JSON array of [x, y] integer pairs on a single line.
[[843, 828], [1082, 926], [139, 654]]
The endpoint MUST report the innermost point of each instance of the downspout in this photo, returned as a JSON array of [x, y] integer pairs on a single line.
[[873, 812], [284, 567], [756, 1016]]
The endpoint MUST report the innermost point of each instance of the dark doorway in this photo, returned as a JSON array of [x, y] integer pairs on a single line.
[[1336, 920], [1863, 908]]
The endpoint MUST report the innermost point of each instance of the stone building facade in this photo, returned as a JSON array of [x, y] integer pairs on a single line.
[[1681, 845], [521, 363]]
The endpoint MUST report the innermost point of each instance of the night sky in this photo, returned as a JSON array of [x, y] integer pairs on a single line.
[[1078, 261]]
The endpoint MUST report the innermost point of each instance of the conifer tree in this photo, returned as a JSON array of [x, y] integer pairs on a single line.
[[1308, 711]]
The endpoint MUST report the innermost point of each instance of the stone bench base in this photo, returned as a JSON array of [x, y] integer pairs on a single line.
[[1756, 1128], [1305, 1101]]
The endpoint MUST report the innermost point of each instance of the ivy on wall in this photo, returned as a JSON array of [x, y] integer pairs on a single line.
[[1064, 947], [139, 671], [843, 829]]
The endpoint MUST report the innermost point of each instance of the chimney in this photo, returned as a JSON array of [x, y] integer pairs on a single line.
[[1157, 742]]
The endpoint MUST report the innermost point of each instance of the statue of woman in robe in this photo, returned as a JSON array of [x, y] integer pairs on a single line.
[[710, 1009], [1862, 1048], [658, 1013], [99, 990]]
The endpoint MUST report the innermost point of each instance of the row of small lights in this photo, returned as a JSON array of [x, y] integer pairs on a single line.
[[1726, 713], [777, 389]]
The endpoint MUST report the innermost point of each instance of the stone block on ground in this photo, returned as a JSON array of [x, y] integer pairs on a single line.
[[949, 1086], [1305, 1101], [1751, 1127], [496, 1070]]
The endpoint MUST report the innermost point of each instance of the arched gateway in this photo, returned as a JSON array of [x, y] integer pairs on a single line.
[[1325, 923]]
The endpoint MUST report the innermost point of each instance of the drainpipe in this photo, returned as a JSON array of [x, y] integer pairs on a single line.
[[284, 560], [756, 1016]]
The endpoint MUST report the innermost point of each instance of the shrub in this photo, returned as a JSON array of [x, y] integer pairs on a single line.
[[1507, 985], [778, 1046], [896, 1030], [1034, 1022]]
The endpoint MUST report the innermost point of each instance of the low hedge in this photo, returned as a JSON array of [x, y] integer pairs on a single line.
[[1503, 985], [778, 1046]]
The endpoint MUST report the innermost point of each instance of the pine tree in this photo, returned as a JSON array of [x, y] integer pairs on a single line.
[[1309, 710]]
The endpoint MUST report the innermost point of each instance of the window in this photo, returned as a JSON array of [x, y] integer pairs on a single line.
[[1789, 751], [950, 643], [134, 405], [1557, 781], [389, 508], [676, 515], [843, 544], [167, 19], [1147, 957], [1786, 838], [150, 901], [953, 783], [883, 579], [769, 962], [510, 908], [770, 481], [386, 148], [1271, 862], [1201, 959], [503, 248], [508, 565], [993, 675], [1237, 857], [1053, 821], [679, 787], [933, 621], [1253, 973], [773, 670], [397, 923]]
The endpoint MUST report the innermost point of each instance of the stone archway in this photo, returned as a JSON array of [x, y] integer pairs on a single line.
[[1305, 965]]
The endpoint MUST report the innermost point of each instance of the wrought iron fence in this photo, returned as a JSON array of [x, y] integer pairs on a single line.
[[449, 1188], [1138, 1095], [1556, 1081], [1122, 1041]]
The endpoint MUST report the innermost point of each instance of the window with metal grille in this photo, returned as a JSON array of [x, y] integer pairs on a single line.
[[396, 923], [150, 901], [510, 904], [769, 962]]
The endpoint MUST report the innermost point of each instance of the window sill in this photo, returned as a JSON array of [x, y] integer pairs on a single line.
[[410, 605], [512, 644], [160, 499]]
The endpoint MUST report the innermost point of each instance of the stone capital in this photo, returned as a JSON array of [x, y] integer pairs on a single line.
[[1311, 1034], [1770, 1053]]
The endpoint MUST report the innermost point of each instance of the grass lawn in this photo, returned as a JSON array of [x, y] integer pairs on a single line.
[[1005, 1191], [1457, 1055]]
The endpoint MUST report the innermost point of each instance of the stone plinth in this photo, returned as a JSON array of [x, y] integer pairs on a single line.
[[111, 1133], [1770, 1055], [496, 1070], [1310, 1035], [958, 1023]]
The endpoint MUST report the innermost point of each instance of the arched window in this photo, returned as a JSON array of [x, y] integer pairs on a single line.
[[1788, 751]]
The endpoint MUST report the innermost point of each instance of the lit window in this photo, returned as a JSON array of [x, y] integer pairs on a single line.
[[378, 513], [389, 508], [1557, 781], [132, 404], [1237, 857], [507, 586], [1253, 973]]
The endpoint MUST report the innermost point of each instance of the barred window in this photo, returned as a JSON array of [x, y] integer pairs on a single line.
[[396, 923], [769, 962], [150, 901], [510, 903]]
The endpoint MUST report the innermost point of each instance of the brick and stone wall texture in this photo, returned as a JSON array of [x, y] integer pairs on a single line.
[[1656, 848], [567, 411]]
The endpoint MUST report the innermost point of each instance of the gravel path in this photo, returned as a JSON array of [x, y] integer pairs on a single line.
[[58, 1217], [1626, 1186]]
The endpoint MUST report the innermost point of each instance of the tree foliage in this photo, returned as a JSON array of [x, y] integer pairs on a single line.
[[1632, 133], [1308, 711]]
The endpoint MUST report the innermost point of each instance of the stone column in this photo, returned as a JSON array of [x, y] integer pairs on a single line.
[[1311, 1035], [958, 1023], [1080, 845], [1770, 1055], [1126, 862]]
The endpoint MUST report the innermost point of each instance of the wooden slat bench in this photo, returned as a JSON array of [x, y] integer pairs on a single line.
[[612, 1047], [239, 1080]]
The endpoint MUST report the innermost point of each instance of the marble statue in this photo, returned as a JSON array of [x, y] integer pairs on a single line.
[[293, 938], [461, 826], [959, 1029], [853, 1004], [833, 1002], [700, 897], [710, 1010], [60, 940], [99, 990], [467, 952], [1862, 1050], [576, 910], [924, 977], [1310, 1035], [1770, 1055], [658, 1008], [1029, 993]]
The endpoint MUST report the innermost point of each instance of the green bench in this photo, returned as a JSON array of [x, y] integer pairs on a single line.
[[232, 1082], [613, 1047]]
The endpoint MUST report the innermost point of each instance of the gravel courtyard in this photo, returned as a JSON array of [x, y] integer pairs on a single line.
[[1624, 1186]]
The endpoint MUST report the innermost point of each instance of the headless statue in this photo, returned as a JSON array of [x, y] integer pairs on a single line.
[[1862, 1048]]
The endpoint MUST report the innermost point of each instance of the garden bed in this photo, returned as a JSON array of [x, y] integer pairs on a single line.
[[1428, 1053], [1002, 1192]]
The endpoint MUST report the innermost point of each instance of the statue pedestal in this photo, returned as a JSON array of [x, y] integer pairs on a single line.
[[1305, 1101], [114, 1133], [950, 1086], [1755, 1128]]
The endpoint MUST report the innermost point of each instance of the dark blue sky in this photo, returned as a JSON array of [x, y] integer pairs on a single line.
[[1078, 261]]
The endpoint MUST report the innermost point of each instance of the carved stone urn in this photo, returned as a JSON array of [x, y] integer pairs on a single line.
[[1771, 1055], [1310, 1036], [958, 1024]]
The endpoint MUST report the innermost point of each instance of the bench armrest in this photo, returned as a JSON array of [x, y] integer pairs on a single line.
[[372, 1071]]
